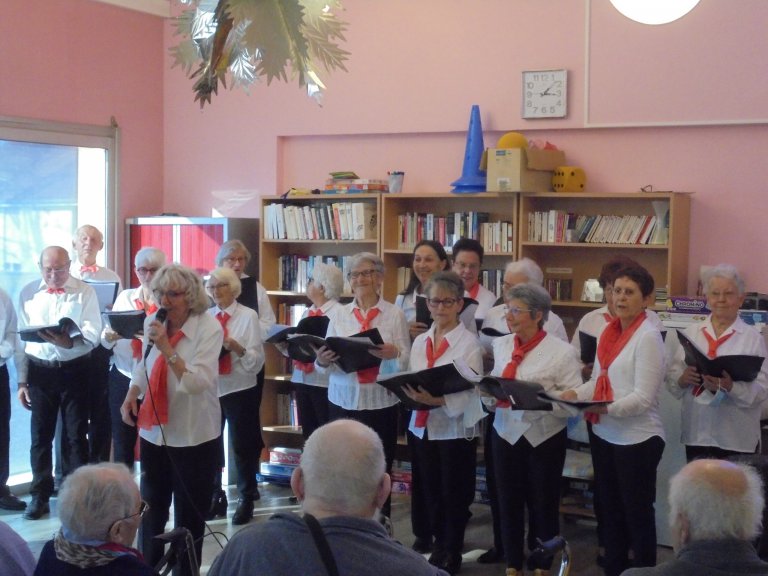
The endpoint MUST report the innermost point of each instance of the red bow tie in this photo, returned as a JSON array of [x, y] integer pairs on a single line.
[[93, 269], [55, 290]]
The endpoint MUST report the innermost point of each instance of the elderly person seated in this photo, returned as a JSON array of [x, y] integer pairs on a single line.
[[715, 511], [100, 509]]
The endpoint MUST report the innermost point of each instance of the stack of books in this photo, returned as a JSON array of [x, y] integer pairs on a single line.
[[282, 463], [558, 226]]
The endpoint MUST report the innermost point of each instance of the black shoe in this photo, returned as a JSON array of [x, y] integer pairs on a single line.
[[438, 558], [492, 556], [37, 509], [10, 502], [219, 506], [256, 495], [243, 513], [451, 563], [422, 545]]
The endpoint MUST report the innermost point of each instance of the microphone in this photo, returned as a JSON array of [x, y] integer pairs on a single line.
[[160, 316]]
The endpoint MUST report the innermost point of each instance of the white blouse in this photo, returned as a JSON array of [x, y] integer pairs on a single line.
[[731, 422], [194, 414], [317, 378], [122, 352], [636, 376], [496, 319], [554, 365], [462, 410], [344, 389], [243, 326]]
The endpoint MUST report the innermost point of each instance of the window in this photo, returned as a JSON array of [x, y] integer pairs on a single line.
[[53, 178]]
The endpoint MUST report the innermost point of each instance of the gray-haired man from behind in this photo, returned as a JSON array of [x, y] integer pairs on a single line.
[[341, 482], [716, 510]]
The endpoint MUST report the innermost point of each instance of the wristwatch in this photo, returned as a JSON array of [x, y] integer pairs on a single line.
[[173, 358]]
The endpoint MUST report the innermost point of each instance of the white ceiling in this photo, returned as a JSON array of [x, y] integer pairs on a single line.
[[156, 7]]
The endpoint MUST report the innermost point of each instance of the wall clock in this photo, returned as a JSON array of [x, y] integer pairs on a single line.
[[545, 93]]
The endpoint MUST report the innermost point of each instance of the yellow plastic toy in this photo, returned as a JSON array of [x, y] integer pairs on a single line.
[[512, 140], [569, 179]]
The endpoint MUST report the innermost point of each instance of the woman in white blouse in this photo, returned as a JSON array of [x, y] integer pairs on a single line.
[[443, 440], [180, 419], [356, 395], [628, 436], [529, 446], [241, 358], [311, 386], [429, 257], [127, 352], [720, 416]]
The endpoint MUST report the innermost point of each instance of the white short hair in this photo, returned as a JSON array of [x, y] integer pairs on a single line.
[[527, 268], [725, 271], [330, 278], [343, 465], [93, 498], [715, 513]]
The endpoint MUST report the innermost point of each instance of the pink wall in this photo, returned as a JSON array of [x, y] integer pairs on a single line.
[[83, 62], [417, 67]]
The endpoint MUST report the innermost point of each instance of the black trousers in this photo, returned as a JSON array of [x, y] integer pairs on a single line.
[[312, 402], [184, 474], [123, 435], [241, 410], [5, 430], [696, 452], [444, 488], [50, 390], [384, 422], [490, 482], [627, 493], [529, 478]]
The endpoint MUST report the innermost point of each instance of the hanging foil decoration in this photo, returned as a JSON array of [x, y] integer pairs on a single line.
[[242, 41]]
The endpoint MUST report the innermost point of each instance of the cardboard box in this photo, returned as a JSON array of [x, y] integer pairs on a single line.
[[521, 170]]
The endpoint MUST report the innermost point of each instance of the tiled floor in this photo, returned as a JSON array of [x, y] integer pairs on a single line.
[[580, 535]]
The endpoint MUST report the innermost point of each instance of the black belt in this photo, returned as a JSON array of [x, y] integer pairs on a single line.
[[57, 363]]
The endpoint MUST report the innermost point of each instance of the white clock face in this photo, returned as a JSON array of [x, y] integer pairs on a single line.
[[545, 93]]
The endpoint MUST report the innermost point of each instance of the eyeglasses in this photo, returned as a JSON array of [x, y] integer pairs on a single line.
[[460, 266], [143, 507], [212, 287], [447, 302], [171, 294], [48, 271], [361, 273], [144, 271], [233, 259], [514, 310]]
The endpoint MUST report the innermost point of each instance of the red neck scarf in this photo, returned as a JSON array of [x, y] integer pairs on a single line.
[[308, 367], [518, 354], [154, 409], [712, 346], [473, 291], [612, 342], [432, 356], [136, 342], [225, 362], [607, 317], [367, 375]]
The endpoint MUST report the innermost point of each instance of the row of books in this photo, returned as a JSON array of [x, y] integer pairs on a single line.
[[561, 226], [349, 185], [490, 278], [321, 221], [287, 413], [413, 227], [559, 288], [295, 270]]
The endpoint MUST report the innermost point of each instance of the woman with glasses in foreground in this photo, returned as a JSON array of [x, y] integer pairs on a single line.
[[100, 509], [356, 395], [628, 436], [443, 440], [127, 352], [529, 446], [180, 419]]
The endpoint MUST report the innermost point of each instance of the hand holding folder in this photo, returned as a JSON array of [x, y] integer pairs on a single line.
[[128, 323], [740, 367], [65, 326], [300, 349], [352, 351]]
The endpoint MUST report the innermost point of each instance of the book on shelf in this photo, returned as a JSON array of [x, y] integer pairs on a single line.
[[321, 221], [740, 367], [128, 323], [413, 227], [558, 226], [351, 350], [64, 326]]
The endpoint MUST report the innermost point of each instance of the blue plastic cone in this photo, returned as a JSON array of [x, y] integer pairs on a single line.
[[472, 178]]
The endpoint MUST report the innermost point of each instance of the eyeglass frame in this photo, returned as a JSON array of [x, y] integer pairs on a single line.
[[143, 507], [368, 273], [436, 302], [514, 310], [171, 294]]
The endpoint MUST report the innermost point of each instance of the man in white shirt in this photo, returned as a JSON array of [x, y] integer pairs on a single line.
[[87, 242], [53, 373]]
